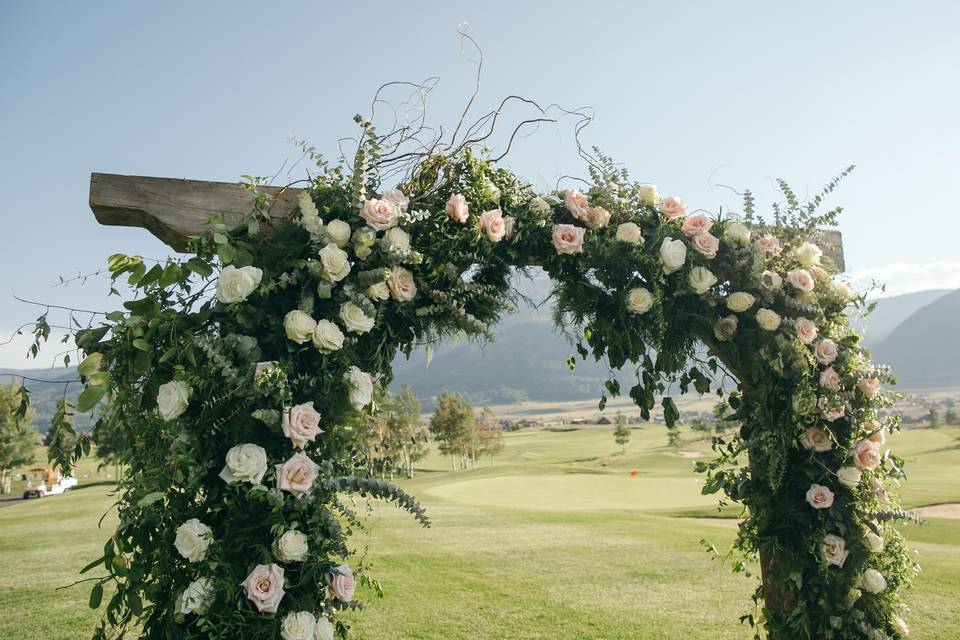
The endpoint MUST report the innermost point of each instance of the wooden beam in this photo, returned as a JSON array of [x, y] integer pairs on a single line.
[[173, 209]]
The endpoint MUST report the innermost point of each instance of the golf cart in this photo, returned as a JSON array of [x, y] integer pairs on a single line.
[[44, 481]]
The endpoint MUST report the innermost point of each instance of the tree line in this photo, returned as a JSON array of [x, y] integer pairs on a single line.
[[463, 435]]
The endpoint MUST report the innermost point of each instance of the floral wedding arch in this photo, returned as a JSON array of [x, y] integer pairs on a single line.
[[237, 378]]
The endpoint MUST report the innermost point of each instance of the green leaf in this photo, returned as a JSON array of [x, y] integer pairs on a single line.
[[90, 397], [226, 253], [93, 564], [90, 365], [171, 273], [141, 344], [96, 596], [199, 267], [670, 412], [149, 499]]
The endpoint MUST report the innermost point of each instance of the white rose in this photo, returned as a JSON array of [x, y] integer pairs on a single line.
[[196, 597], [874, 542], [361, 387], [298, 626], [336, 263], [833, 550], [771, 280], [768, 319], [193, 539], [701, 279], [490, 191], [898, 622], [234, 285], [539, 207], [398, 240], [324, 630], [849, 476], [673, 254], [648, 194], [808, 254], [737, 232], [245, 463], [639, 300], [378, 291], [354, 319], [629, 232], [740, 301], [843, 290], [172, 399], [327, 337], [291, 546], [338, 232], [873, 581], [299, 326]]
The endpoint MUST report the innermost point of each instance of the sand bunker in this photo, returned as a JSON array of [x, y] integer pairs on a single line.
[[948, 510]]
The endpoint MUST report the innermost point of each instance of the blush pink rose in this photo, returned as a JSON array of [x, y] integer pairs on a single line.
[[264, 587], [301, 424], [672, 207], [866, 455], [596, 217], [869, 387], [830, 410], [342, 584], [826, 351], [568, 238], [707, 244], [297, 474], [396, 197], [880, 491], [819, 497], [806, 330], [801, 280], [576, 203], [696, 224], [830, 379], [493, 225], [816, 439], [380, 214], [457, 208], [768, 243], [401, 284]]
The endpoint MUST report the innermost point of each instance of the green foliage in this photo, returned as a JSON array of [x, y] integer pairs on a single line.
[[17, 434]]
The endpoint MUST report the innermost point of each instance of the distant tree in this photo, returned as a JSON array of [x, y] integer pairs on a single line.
[[950, 417], [452, 425], [701, 426], [18, 438], [933, 418], [621, 433], [111, 443], [488, 434], [673, 436], [395, 438]]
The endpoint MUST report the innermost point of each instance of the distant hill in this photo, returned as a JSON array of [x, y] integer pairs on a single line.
[[924, 350], [44, 395], [890, 312]]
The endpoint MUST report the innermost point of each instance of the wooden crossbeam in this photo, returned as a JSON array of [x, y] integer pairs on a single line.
[[172, 209]]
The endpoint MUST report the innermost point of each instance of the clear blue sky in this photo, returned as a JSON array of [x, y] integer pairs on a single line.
[[685, 94]]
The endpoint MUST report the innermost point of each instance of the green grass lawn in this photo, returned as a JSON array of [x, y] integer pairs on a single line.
[[554, 540]]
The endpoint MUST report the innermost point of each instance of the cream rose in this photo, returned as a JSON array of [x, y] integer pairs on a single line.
[[768, 243], [172, 399], [874, 542], [639, 300], [398, 240], [826, 351], [819, 497], [869, 386], [354, 319], [338, 232], [324, 630], [342, 584], [816, 439], [830, 379], [806, 330], [197, 597], [262, 368], [297, 474], [725, 328], [701, 280], [576, 203], [737, 232], [264, 587], [866, 455], [193, 539], [630, 233], [336, 263], [873, 581], [299, 625], [672, 207], [673, 254], [808, 254], [457, 208], [301, 424], [292, 546], [380, 214], [401, 284], [299, 326], [843, 290], [327, 337], [771, 280], [833, 550], [849, 476], [245, 463], [880, 491], [900, 624], [695, 225], [539, 207], [819, 272], [360, 386], [801, 280], [492, 225], [568, 238], [235, 285], [740, 301], [378, 291], [768, 319], [707, 244], [876, 433], [648, 194], [491, 192]]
